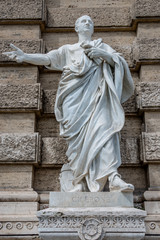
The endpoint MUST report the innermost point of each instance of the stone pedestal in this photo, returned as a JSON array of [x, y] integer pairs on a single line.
[[97, 216]]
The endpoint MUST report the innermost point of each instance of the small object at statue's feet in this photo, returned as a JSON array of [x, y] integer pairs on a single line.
[[117, 184]]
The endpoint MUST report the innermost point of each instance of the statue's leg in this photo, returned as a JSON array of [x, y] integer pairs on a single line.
[[66, 179]]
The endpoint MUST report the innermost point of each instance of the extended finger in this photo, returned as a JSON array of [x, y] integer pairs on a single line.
[[14, 47], [7, 53]]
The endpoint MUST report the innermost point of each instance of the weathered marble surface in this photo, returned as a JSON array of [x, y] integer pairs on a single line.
[[91, 223], [87, 199]]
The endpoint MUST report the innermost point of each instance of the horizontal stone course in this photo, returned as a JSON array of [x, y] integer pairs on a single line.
[[16, 177], [20, 97], [24, 9], [20, 148], [109, 16]]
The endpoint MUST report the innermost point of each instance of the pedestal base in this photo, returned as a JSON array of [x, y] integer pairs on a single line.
[[91, 223]]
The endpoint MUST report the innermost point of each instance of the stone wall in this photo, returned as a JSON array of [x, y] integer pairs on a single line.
[[31, 151]]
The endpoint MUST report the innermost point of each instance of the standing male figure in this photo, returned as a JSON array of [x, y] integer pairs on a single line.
[[94, 83]]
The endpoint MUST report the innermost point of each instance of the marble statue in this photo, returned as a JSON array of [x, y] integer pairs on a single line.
[[95, 81]]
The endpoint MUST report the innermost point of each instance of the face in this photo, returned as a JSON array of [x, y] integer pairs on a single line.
[[84, 25]]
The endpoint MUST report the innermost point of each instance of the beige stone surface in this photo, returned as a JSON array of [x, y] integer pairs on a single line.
[[47, 127], [24, 9], [135, 176], [149, 48], [18, 75], [150, 73], [148, 30], [44, 198], [17, 123], [147, 8], [20, 148], [49, 97], [153, 175], [49, 80], [152, 123], [28, 46], [152, 195], [130, 151], [16, 177], [151, 146], [18, 32], [20, 97], [130, 106], [18, 208], [53, 151], [152, 208], [152, 223], [132, 126], [46, 179], [109, 16], [149, 95], [18, 196], [16, 227]]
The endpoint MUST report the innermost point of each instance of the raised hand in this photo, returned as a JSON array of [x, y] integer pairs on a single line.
[[18, 55]]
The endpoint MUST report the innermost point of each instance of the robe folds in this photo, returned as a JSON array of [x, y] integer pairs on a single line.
[[88, 109]]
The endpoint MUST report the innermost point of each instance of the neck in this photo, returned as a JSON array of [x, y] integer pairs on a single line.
[[84, 37]]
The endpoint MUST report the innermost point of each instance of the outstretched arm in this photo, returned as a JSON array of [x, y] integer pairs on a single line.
[[19, 56]]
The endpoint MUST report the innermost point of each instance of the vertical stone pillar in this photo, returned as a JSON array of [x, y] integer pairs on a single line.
[[20, 102], [150, 104]]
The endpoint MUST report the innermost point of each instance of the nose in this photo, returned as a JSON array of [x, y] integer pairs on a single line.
[[87, 22]]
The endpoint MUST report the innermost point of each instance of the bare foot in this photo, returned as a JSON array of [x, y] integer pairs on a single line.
[[117, 184]]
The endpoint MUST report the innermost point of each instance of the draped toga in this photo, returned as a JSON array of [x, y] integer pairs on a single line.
[[88, 109]]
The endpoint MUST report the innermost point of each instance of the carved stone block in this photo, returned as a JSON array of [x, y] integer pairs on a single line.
[[20, 226], [18, 208], [53, 151], [20, 97], [152, 223], [16, 177], [90, 199], [91, 223], [149, 95], [18, 196], [28, 46], [147, 8], [130, 151], [109, 16], [149, 48], [20, 148], [18, 75], [17, 123], [151, 147], [24, 9]]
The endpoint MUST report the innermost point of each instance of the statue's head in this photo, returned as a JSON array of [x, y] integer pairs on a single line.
[[84, 25]]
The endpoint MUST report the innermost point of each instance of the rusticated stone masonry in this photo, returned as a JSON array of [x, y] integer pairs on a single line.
[[31, 150]]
